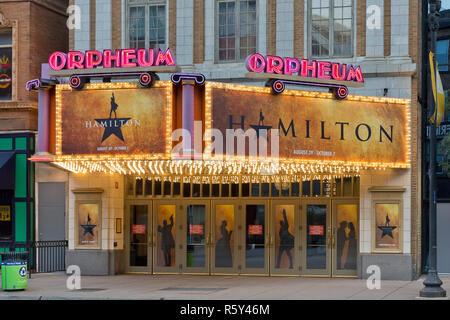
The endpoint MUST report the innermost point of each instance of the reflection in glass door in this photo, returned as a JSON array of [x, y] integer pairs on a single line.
[[345, 237], [284, 239], [197, 238], [256, 255], [165, 237], [140, 243], [317, 238], [224, 240]]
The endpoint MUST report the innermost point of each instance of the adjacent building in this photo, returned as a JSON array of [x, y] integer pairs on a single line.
[[29, 32]]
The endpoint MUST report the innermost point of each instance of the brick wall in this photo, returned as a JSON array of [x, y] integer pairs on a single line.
[[361, 9], [199, 31], [40, 31], [116, 24], [271, 27]]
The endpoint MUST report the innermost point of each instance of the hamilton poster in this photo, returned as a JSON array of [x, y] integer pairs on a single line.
[[88, 224], [387, 226], [113, 121], [314, 128]]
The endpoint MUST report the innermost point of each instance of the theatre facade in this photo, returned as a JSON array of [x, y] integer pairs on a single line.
[[190, 176]]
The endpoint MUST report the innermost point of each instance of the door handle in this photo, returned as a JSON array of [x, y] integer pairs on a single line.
[[271, 241], [333, 242], [207, 239], [328, 240], [150, 241]]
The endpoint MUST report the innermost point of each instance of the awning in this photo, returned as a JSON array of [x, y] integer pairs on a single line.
[[6, 169]]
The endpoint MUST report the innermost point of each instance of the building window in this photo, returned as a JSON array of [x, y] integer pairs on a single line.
[[5, 64], [147, 24], [236, 29], [442, 54], [331, 23]]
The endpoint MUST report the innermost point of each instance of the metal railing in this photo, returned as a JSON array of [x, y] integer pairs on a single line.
[[43, 256]]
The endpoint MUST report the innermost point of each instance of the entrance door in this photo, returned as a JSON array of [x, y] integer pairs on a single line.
[[254, 238], [139, 233], [284, 237], [225, 255], [197, 241], [317, 238], [166, 237], [345, 237]]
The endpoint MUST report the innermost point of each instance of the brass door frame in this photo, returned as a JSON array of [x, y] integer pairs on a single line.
[[178, 237], [298, 247], [149, 267], [237, 256], [243, 232], [183, 231], [335, 271], [316, 272]]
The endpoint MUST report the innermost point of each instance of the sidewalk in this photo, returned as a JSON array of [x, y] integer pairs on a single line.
[[192, 287]]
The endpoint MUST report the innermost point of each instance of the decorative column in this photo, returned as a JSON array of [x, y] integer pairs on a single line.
[[43, 86], [188, 82]]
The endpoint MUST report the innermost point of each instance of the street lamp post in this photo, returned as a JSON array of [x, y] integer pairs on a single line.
[[432, 284]]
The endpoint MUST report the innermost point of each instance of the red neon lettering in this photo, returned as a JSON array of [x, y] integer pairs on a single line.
[[337, 75], [141, 58], [306, 67], [166, 58], [57, 61], [355, 74], [359, 74], [73, 63], [126, 56], [255, 63], [324, 69], [108, 57], [90, 62], [291, 65], [272, 67]]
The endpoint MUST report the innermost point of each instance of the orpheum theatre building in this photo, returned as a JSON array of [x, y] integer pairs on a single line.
[[188, 176]]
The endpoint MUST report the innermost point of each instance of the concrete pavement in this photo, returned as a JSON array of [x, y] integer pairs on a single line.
[[198, 287]]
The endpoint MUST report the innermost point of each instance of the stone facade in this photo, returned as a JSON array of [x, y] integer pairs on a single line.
[[388, 53]]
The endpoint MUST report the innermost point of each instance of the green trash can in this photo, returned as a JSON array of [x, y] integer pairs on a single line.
[[14, 270]]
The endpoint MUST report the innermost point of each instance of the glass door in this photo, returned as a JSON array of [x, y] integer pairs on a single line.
[[345, 237], [166, 237], [317, 237], [224, 237], [197, 242], [254, 238], [139, 234], [284, 240]]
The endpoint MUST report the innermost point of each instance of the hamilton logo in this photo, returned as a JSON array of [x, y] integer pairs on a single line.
[[113, 125], [260, 126], [387, 229], [88, 227]]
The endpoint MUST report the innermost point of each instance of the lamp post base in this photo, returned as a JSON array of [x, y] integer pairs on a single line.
[[433, 287]]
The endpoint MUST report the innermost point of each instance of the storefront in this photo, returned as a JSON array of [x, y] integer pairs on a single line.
[[196, 177]]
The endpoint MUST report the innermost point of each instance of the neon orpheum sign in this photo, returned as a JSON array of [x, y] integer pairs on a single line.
[[324, 70], [121, 58]]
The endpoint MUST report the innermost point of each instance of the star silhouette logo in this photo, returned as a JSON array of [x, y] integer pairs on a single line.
[[88, 228], [261, 126], [387, 231], [113, 125]]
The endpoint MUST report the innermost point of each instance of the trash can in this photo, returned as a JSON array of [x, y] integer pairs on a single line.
[[14, 270]]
